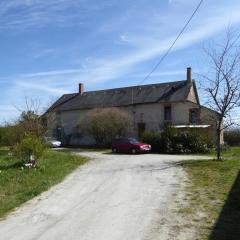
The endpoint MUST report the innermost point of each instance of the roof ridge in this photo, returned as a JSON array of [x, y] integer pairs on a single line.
[[136, 86]]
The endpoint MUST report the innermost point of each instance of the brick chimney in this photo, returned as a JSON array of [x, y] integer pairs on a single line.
[[189, 74], [81, 88]]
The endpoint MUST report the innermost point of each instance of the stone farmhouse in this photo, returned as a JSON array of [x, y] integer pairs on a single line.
[[150, 107]]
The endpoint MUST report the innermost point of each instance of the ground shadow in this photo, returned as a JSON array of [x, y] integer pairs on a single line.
[[227, 226], [118, 153], [124, 153]]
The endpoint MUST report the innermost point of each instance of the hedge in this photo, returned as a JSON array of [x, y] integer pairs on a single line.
[[232, 137], [172, 140]]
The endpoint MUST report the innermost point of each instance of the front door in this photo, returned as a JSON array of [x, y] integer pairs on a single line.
[[60, 134], [141, 129]]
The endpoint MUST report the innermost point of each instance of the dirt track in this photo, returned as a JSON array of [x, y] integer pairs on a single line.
[[114, 197]]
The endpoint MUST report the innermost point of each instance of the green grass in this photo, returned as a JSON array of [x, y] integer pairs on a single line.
[[214, 190], [18, 185]]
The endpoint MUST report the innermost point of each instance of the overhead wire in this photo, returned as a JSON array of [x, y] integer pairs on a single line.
[[173, 43]]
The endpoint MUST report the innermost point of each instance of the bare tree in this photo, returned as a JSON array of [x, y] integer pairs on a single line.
[[222, 83], [105, 124], [30, 121]]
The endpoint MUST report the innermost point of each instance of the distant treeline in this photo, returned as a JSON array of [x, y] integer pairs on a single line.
[[232, 137]]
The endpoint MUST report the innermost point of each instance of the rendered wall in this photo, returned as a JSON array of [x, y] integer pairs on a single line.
[[150, 114]]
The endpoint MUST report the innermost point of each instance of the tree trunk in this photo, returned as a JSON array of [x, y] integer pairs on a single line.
[[219, 144]]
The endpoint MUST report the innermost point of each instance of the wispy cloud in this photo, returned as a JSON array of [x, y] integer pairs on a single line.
[[150, 47], [112, 46], [51, 73], [40, 87], [22, 14], [96, 70], [110, 68]]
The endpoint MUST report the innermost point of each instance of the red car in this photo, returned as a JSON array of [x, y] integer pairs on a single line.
[[130, 145]]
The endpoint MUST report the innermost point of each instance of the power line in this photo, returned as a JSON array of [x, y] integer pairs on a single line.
[[172, 45]]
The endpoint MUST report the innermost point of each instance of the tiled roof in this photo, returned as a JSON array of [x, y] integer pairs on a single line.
[[161, 92]]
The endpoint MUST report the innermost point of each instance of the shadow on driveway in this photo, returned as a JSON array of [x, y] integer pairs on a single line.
[[227, 226]]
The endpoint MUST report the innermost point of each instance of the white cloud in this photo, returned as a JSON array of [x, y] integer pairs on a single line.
[[149, 48], [236, 120], [22, 14], [116, 67], [40, 87], [102, 70], [51, 73], [140, 41]]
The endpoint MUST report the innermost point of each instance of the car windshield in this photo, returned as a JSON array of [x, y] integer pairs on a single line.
[[133, 140]]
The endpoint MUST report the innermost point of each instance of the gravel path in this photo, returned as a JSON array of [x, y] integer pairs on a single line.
[[113, 197]]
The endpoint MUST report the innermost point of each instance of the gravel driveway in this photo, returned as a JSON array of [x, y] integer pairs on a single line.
[[113, 197]]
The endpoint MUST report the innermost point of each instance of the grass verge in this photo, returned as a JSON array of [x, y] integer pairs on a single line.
[[213, 196], [19, 185]]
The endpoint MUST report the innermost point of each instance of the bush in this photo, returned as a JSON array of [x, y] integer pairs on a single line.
[[28, 124], [8, 136], [173, 140], [195, 141], [232, 137], [105, 124], [29, 150], [153, 138]]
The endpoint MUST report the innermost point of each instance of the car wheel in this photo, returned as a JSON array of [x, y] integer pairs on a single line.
[[133, 151], [114, 150]]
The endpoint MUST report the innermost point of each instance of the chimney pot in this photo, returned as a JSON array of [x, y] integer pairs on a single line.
[[81, 88], [189, 74]]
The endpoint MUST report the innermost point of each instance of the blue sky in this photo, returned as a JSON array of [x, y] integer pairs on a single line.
[[48, 47]]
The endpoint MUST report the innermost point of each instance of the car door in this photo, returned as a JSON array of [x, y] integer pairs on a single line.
[[120, 145], [126, 145]]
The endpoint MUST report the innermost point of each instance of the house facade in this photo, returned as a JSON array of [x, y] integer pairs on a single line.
[[150, 107]]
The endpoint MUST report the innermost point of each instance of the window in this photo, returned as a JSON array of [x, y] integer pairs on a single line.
[[133, 140], [58, 118], [124, 140], [167, 113], [194, 115]]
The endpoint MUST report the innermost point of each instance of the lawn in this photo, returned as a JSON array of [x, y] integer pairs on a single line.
[[213, 196], [18, 185]]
